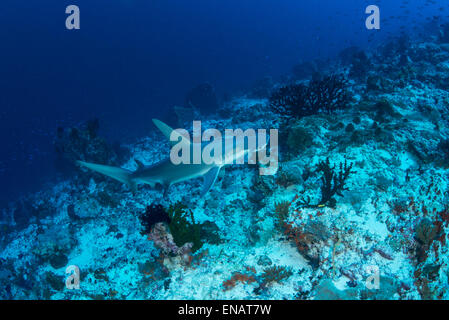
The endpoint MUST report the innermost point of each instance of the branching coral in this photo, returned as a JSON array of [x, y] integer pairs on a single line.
[[238, 277], [298, 100], [269, 275], [333, 183], [170, 230], [304, 241], [425, 233], [153, 214], [275, 274], [281, 210], [182, 229]]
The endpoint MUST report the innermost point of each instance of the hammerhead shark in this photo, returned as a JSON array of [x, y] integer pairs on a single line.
[[165, 173]]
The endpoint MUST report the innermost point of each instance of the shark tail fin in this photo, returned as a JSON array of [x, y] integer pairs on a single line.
[[116, 173]]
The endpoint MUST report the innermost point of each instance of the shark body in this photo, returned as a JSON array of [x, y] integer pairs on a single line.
[[164, 172]]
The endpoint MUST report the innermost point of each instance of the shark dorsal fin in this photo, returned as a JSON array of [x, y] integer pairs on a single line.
[[139, 163], [167, 131]]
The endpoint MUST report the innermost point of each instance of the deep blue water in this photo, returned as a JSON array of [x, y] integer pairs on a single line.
[[134, 59]]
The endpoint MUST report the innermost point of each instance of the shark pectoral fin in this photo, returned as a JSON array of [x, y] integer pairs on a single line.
[[133, 186], [167, 131], [139, 163], [165, 187], [165, 192], [209, 180], [151, 183], [222, 172]]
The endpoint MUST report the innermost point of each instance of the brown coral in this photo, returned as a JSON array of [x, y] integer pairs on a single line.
[[276, 274], [282, 210], [238, 277], [426, 232]]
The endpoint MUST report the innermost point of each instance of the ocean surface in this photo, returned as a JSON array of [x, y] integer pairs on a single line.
[[363, 135]]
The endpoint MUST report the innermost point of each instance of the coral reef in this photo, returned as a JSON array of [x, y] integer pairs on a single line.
[[362, 182], [153, 214], [282, 212], [275, 274], [183, 230], [299, 100], [333, 183], [236, 278], [164, 240], [298, 139]]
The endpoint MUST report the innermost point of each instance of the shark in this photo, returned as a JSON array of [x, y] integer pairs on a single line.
[[164, 172]]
